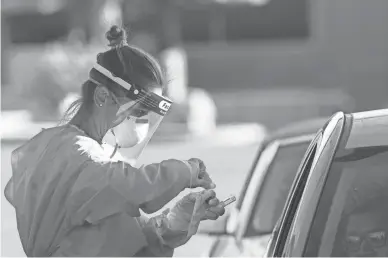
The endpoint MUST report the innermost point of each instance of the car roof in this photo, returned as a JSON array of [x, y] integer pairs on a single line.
[[310, 126], [369, 128]]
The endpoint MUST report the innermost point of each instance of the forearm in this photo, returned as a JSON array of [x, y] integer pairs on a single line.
[[152, 186], [148, 188], [175, 173]]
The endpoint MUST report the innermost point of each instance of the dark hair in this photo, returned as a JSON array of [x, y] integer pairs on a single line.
[[130, 63]]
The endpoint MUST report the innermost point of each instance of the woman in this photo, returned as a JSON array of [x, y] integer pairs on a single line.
[[71, 199]]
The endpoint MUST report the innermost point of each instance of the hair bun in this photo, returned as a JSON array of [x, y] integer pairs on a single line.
[[116, 36]]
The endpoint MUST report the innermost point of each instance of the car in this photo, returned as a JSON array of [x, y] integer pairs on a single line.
[[338, 203], [247, 228]]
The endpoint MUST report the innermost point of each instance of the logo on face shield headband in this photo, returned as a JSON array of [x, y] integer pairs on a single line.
[[164, 105]]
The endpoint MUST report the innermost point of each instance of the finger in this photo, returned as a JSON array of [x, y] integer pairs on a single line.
[[205, 181], [206, 184], [192, 196], [208, 195], [213, 202], [209, 215], [200, 163], [222, 212], [219, 210], [203, 174]]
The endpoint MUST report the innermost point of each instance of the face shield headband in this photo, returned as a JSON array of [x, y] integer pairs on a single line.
[[153, 102]]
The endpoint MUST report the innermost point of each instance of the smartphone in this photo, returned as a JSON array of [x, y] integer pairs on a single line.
[[229, 200]]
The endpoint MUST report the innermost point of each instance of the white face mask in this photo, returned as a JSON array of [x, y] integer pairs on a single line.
[[131, 131]]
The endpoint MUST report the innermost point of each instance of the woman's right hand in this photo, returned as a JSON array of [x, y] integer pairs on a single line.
[[199, 175]]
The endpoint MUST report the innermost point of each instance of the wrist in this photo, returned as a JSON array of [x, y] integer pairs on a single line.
[[189, 174]]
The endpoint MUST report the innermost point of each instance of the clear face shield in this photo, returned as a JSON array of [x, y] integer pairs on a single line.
[[139, 116]]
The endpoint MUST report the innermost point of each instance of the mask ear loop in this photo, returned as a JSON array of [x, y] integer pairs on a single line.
[[116, 146]]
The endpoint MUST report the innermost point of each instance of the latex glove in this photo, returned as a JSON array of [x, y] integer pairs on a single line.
[[199, 175], [192, 209], [171, 229]]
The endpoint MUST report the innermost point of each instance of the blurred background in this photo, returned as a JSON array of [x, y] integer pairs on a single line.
[[237, 69]]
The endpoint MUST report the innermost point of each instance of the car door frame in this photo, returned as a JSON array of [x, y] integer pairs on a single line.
[[259, 177], [274, 239], [293, 230]]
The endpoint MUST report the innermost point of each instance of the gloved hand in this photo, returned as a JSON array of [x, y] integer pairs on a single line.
[[175, 227], [192, 209], [199, 175]]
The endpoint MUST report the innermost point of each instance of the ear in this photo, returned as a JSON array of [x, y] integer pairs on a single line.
[[101, 95]]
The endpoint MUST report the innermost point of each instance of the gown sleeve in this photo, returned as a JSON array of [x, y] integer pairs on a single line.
[[105, 189]]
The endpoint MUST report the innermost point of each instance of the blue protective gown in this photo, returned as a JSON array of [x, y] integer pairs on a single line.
[[72, 200]]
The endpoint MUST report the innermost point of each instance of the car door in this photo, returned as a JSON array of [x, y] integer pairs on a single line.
[[351, 215], [289, 237], [263, 206], [276, 166], [275, 241]]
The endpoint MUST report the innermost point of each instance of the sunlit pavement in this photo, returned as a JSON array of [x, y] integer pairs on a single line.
[[227, 153]]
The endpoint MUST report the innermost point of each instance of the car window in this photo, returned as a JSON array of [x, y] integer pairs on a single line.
[[352, 213], [285, 240], [275, 187], [249, 176]]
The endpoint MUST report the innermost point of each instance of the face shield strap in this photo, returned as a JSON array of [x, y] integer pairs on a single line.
[[150, 100], [102, 71]]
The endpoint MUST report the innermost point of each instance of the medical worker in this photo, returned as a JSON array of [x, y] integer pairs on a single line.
[[72, 198]]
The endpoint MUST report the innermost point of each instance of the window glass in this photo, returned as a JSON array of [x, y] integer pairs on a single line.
[[353, 210], [275, 188], [250, 175]]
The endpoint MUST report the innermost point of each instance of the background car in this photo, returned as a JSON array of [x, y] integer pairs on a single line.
[[247, 228], [338, 205]]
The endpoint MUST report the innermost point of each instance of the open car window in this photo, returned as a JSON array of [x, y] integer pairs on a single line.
[[353, 211], [275, 188]]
